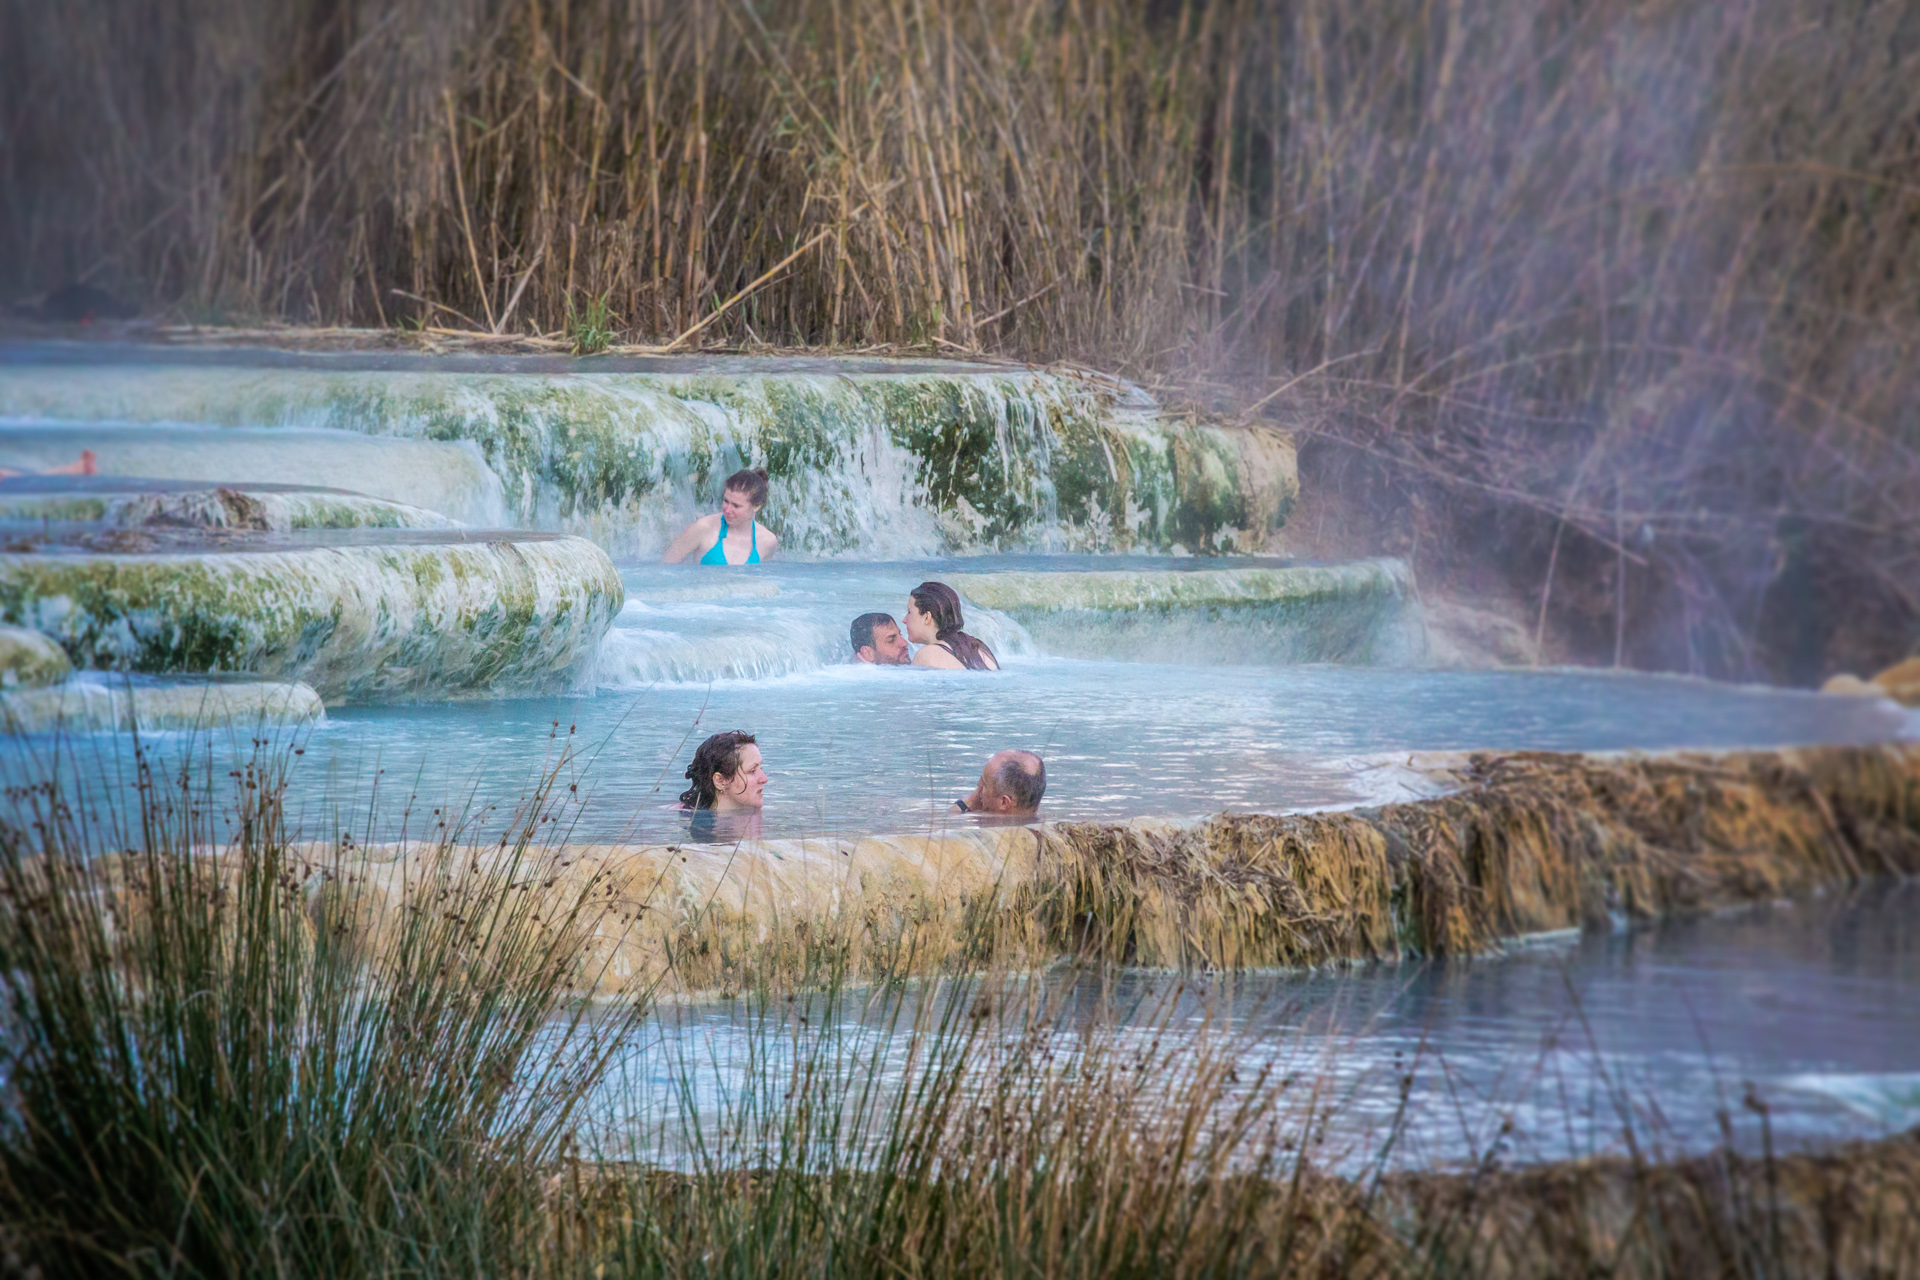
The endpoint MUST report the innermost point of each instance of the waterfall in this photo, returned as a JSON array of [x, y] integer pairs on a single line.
[[867, 459]]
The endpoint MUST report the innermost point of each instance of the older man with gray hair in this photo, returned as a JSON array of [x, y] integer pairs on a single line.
[[1010, 786]]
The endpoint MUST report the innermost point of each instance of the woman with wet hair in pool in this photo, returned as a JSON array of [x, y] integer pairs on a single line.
[[933, 621], [729, 783], [733, 535]]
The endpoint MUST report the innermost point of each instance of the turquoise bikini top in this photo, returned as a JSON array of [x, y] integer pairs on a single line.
[[717, 554]]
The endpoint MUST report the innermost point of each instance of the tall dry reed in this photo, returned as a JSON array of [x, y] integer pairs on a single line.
[[1628, 292]]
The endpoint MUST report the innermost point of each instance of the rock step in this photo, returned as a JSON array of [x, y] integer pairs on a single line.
[[359, 615], [29, 660], [1517, 844], [448, 478], [128, 502], [867, 458], [1359, 612]]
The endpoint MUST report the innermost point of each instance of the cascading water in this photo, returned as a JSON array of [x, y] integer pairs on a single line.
[[462, 664], [869, 459]]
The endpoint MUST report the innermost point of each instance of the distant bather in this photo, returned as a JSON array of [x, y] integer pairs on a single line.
[[733, 535], [1011, 786]]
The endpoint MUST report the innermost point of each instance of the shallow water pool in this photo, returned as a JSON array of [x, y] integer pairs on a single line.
[[856, 748]]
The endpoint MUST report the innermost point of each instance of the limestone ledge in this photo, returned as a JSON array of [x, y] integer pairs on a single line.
[[1518, 844], [1359, 612], [416, 615], [29, 660], [869, 462], [1127, 590], [135, 504], [80, 706]]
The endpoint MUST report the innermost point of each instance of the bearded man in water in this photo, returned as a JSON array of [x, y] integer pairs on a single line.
[[876, 639]]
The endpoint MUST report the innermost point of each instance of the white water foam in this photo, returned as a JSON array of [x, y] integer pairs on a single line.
[[679, 629], [1892, 1098]]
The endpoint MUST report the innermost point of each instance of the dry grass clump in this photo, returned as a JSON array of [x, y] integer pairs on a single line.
[[205, 1076], [1847, 1212], [1625, 290], [198, 1081], [1531, 842]]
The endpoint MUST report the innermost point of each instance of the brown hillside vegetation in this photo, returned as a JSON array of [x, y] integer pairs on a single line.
[[1608, 307]]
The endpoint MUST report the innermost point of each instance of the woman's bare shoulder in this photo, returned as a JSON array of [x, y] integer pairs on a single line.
[[937, 655], [690, 538]]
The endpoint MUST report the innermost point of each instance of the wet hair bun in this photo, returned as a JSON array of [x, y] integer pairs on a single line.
[[752, 481]]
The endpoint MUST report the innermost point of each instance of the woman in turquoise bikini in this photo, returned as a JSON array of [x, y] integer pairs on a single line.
[[730, 535]]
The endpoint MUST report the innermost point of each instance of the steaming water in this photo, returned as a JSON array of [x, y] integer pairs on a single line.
[[856, 748], [1552, 1051], [1817, 1005]]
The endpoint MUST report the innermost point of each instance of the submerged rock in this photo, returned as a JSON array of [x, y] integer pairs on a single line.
[[92, 706], [1901, 682], [29, 660], [1846, 685], [359, 615], [133, 503], [866, 457], [1360, 612]]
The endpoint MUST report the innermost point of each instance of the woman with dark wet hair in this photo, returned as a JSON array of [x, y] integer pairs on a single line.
[[933, 621], [733, 534], [727, 774]]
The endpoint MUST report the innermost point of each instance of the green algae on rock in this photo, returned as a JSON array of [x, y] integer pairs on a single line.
[[863, 460], [1361, 612], [92, 706], [359, 615], [29, 660]]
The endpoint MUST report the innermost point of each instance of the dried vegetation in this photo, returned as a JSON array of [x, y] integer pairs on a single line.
[[1608, 308], [199, 1082]]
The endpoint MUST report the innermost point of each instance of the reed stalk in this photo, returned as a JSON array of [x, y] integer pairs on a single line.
[[1665, 246], [204, 1078]]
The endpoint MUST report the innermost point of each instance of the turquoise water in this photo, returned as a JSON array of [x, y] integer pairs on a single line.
[[1555, 1049], [857, 748]]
